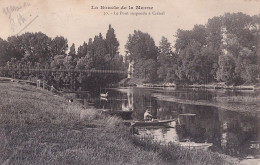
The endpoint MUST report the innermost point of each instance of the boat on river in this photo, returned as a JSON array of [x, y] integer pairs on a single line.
[[123, 114], [104, 95], [187, 114], [104, 98], [151, 123]]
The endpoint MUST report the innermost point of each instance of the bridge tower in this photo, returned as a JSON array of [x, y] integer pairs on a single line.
[[224, 40], [130, 69]]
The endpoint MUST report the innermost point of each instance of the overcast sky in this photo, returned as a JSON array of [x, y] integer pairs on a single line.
[[75, 20]]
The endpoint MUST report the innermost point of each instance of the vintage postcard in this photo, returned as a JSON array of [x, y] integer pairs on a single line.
[[130, 82]]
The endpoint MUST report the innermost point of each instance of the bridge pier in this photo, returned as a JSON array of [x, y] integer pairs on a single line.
[[38, 84], [43, 85], [130, 69]]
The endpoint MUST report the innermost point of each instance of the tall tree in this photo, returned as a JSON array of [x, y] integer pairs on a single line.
[[36, 47], [4, 54], [59, 46], [189, 69], [112, 42], [82, 50], [16, 47], [141, 48], [246, 67], [100, 50], [214, 34], [72, 52], [226, 71], [183, 39], [189, 45], [167, 61]]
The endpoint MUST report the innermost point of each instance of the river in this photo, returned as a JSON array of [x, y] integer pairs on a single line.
[[195, 126]]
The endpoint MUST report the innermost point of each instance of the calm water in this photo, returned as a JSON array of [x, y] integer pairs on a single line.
[[195, 126]]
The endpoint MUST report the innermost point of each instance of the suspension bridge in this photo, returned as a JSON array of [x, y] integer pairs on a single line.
[[72, 71]]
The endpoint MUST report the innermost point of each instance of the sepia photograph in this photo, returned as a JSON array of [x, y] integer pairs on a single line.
[[140, 82]]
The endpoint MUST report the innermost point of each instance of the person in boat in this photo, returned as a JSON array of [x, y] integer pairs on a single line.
[[148, 116]]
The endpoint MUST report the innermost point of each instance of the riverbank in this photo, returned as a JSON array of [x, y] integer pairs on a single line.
[[38, 127], [141, 83]]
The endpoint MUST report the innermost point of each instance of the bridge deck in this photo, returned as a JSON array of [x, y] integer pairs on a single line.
[[75, 70]]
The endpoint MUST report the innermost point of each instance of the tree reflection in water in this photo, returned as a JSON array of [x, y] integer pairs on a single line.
[[227, 132]]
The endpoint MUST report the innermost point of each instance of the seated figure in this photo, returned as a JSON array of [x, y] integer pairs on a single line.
[[147, 115]]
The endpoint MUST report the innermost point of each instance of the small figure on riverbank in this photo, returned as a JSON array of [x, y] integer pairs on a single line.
[[52, 88], [70, 100], [147, 115], [133, 130]]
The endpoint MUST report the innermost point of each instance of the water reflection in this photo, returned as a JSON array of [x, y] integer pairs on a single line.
[[128, 104], [196, 126]]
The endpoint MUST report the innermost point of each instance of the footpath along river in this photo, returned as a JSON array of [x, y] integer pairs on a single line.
[[204, 126]]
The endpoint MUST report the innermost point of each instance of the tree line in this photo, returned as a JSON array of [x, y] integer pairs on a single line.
[[225, 49], [37, 50]]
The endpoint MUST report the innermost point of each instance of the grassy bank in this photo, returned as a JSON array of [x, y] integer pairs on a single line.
[[37, 127]]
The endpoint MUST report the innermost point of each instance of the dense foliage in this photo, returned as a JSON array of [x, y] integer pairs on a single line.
[[37, 50], [141, 49], [226, 49]]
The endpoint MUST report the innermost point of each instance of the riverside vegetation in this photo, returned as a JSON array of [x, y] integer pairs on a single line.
[[38, 127], [226, 49]]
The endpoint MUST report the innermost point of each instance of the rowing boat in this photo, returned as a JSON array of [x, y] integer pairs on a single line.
[[152, 123]]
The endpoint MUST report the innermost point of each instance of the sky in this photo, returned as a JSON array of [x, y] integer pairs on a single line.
[[77, 21]]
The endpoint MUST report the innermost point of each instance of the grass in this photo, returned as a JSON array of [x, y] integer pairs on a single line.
[[39, 128]]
